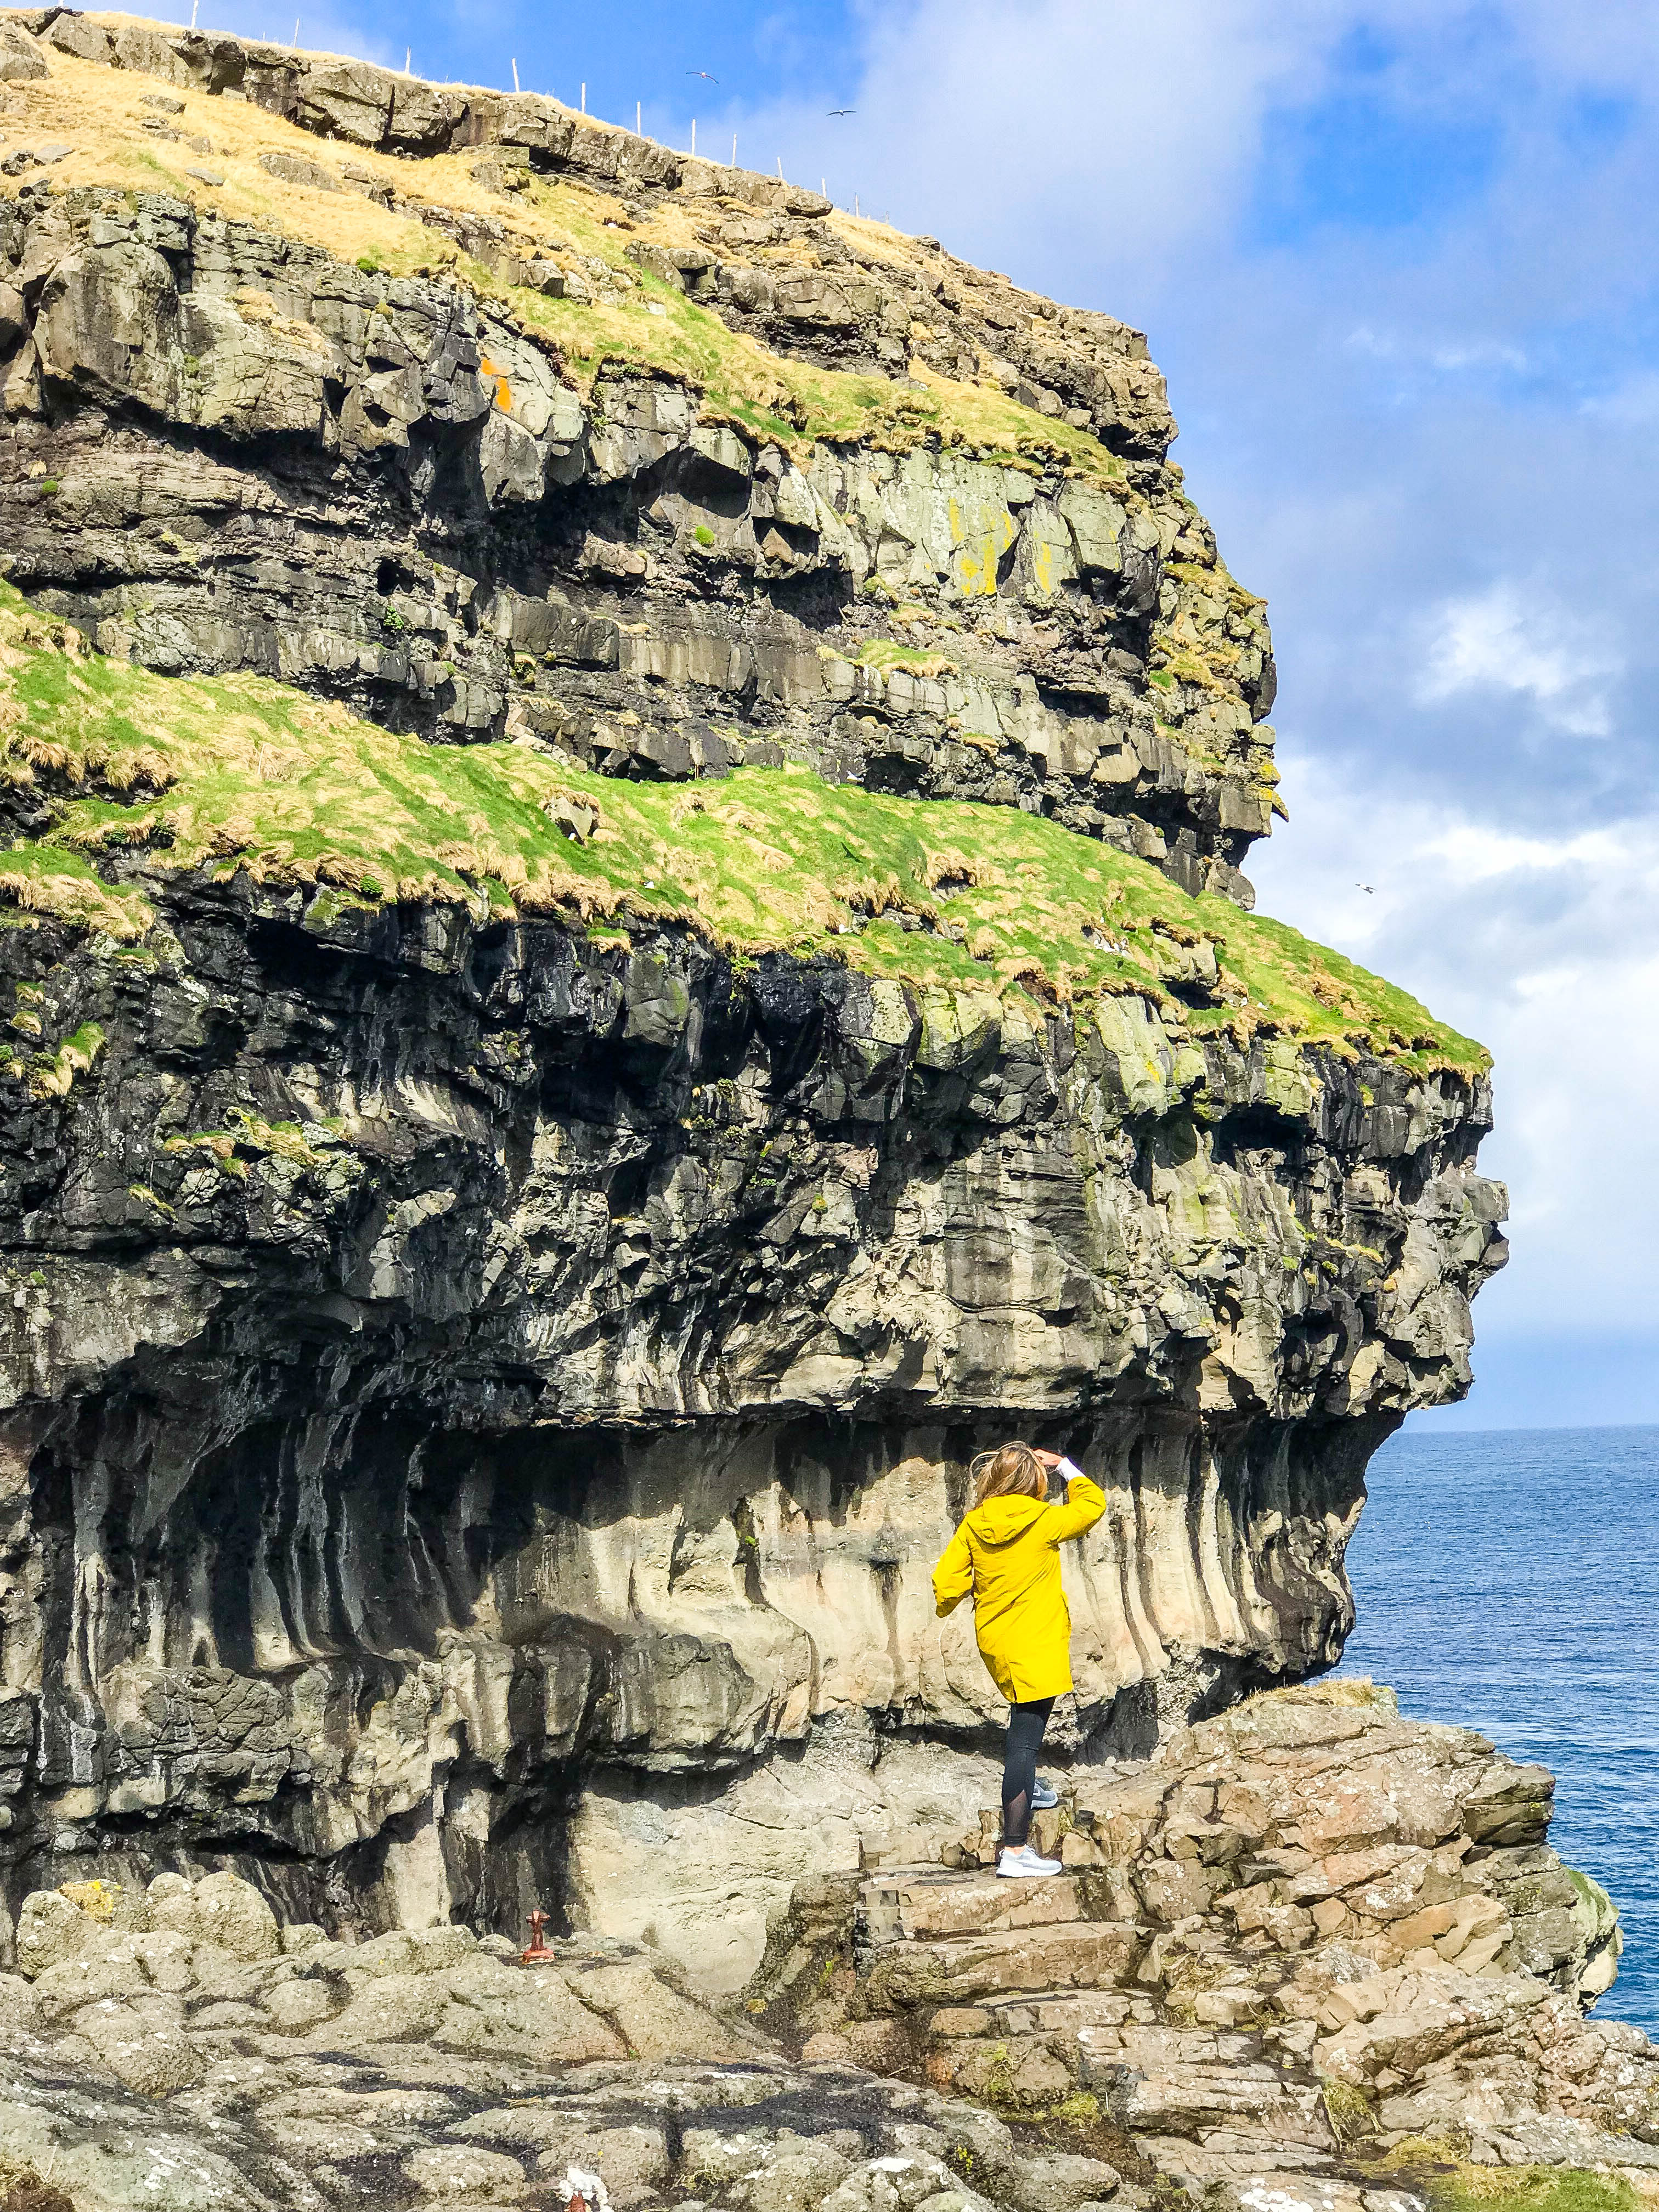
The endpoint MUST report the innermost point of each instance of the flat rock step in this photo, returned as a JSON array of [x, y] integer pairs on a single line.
[[944, 1971], [1081, 2013], [916, 1902], [1223, 2157]]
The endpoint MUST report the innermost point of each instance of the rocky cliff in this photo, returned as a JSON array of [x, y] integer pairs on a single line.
[[673, 466], [1308, 1957], [623, 801]]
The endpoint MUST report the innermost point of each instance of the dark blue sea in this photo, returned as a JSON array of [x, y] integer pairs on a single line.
[[1509, 1581]]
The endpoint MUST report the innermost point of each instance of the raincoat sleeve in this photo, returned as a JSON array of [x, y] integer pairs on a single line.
[[1085, 1502], [953, 1577]]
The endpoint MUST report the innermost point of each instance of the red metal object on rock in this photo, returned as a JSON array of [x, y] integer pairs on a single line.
[[538, 1955]]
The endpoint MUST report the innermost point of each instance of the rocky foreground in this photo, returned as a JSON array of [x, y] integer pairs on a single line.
[[1303, 1955]]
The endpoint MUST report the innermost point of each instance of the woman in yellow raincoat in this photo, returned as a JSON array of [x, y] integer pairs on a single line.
[[1006, 1555]]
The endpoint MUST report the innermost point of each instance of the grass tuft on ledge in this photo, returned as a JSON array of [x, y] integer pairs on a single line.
[[145, 774]]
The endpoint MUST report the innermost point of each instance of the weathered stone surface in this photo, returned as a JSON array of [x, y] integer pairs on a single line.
[[676, 1360], [1246, 2038], [1216, 2054], [20, 58], [194, 2095]]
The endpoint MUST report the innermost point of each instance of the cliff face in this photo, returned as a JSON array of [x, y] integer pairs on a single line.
[[672, 466], [513, 1243], [439, 1366]]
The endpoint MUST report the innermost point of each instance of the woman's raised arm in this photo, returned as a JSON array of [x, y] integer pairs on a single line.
[[1085, 1502]]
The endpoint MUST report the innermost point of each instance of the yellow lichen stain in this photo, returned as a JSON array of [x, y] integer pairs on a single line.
[[976, 569], [97, 1898], [1042, 567], [975, 566], [503, 389]]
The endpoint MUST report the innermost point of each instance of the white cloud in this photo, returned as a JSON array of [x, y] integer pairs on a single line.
[[1452, 360], [1547, 952], [1478, 852], [1413, 349], [1031, 133], [1503, 639], [324, 27], [1633, 403]]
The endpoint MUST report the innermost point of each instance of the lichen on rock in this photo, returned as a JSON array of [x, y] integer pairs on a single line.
[[1235, 1988], [830, 496]]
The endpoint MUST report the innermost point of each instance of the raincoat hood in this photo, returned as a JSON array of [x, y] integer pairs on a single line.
[[1004, 1520]]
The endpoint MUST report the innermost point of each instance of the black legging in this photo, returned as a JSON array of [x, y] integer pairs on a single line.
[[1026, 1724]]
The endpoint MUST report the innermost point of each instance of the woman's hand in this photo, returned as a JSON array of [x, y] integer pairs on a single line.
[[1050, 1459]]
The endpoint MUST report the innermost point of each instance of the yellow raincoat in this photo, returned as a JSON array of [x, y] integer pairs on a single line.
[[1006, 1552]]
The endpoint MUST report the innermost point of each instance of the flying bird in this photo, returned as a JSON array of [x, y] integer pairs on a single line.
[[1371, 888], [843, 111], [702, 73]]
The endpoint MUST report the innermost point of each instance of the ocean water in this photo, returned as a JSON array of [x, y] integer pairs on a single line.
[[1509, 1581]]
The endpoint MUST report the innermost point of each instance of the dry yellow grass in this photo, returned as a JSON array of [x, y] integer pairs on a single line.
[[100, 113]]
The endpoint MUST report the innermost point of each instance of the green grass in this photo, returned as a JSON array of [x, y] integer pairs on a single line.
[[238, 772], [54, 1072], [1529, 2189], [576, 224], [650, 324], [654, 325], [1452, 2182], [1536, 2189], [792, 401], [1347, 2108]]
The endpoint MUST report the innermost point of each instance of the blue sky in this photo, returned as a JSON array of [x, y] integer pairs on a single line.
[[1397, 263]]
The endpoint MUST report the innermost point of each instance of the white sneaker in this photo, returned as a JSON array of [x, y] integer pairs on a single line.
[[1024, 1864], [1044, 1795]]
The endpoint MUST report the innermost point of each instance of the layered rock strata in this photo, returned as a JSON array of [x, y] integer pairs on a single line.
[[507, 1276], [472, 508], [446, 1360], [1306, 1937]]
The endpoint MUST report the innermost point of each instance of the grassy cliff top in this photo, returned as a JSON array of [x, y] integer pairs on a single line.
[[239, 772], [214, 162]]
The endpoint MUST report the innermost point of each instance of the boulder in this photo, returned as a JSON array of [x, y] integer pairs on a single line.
[[231, 1915], [20, 60]]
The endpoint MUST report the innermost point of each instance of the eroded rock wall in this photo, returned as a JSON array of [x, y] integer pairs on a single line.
[[227, 447], [452, 1363]]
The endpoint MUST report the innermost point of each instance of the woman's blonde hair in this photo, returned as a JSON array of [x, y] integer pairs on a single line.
[[1009, 1471]]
